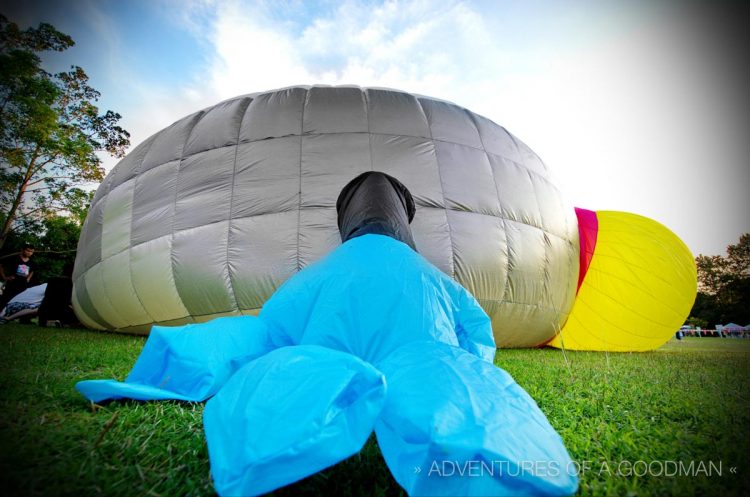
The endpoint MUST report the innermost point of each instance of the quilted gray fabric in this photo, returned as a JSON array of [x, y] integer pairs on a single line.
[[209, 216]]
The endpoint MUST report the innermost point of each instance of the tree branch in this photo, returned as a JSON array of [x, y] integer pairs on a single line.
[[32, 183]]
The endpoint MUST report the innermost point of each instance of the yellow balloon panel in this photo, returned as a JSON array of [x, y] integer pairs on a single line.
[[638, 290]]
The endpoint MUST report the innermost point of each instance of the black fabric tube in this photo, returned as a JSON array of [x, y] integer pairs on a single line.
[[376, 203]]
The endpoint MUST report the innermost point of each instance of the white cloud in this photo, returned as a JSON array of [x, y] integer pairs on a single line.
[[252, 53], [624, 113], [417, 46]]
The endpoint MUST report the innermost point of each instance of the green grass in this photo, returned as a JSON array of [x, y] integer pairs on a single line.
[[687, 401]]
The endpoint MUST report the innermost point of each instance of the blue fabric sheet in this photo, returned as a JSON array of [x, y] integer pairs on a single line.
[[456, 425], [371, 336], [188, 362], [288, 415], [372, 295]]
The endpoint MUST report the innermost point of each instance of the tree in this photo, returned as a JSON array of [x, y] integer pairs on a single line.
[[55, 239], [713, 273], [50, 129], [738, 257], [724, 285]]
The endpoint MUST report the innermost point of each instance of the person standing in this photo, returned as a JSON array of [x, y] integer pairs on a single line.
[[17, 274]]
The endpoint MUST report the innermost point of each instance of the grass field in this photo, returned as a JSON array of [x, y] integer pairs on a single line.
[[628, 420]]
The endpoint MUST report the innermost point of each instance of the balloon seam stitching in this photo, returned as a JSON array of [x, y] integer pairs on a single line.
[[83, 282], [136, 175], [363, 92], [130, 254], [101, 267], [174, 209], [106, 295], [98, 319], [497, 193], [545, 267], [442, 189], [506, 301], [231, 200], [299, 188], [190, 316], [583, 325]]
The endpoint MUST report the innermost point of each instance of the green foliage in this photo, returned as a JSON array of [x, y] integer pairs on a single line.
[[50, 129], [687, 401], [696, 322], [724, 286], [55, 239], [739, 256]]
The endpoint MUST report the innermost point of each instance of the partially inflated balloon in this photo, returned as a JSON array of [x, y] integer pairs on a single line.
[[639, 287], [209, 216]]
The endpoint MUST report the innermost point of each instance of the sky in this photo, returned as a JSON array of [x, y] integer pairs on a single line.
[[634, 105]]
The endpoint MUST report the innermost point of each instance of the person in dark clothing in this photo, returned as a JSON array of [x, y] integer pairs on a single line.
[[17, 274], [56, 305]]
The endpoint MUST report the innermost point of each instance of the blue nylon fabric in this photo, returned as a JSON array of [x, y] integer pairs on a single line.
[[456, 425], [188, 362], [288, 415], [370, 296], [311, 388]]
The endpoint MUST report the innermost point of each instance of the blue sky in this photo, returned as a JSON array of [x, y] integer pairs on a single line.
[[635, 105]]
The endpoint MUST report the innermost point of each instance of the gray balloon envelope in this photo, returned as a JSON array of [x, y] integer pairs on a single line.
[[209, 216]]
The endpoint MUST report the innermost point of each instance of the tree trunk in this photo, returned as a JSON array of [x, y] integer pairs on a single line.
[[10, 217]]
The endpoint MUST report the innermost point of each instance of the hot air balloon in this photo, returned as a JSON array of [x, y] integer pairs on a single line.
[[209, 216], [636, 286]]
